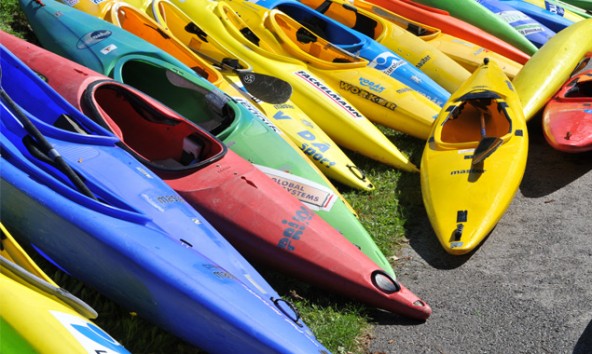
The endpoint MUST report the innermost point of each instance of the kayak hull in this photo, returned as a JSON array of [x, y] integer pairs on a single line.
[[557, 59], [451, 176], [567, 117], [63, 322]]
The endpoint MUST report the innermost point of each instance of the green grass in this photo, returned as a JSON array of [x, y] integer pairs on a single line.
[[342, 325]]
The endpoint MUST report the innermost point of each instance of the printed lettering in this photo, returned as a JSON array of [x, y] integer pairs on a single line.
[[330, 93], [367, 95]]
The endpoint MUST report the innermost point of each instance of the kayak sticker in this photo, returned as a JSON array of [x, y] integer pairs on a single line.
[[367, 95], [92, 38], [315, 152], [313, 195], [295, 228], [423, 61], [321, 87], [522, 23], [90, 336], [387, 62], [374, 86], [160, 201], [554, 8], [257, 113]]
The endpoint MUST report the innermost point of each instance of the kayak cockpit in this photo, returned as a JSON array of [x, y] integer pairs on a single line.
[[474, 116], [156, 136]]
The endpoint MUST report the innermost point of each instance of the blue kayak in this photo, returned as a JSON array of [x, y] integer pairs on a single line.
[[551, 17], [89, 207], [537, 33], [379, 56]]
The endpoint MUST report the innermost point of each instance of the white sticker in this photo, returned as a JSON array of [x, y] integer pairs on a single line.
[[90, 336]]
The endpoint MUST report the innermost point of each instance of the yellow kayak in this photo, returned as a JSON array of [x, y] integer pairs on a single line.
[[469, 55], [61, 321], [475, 159], [421, 54], [381, 98], [345, 124], [291, 122], [549, 68]]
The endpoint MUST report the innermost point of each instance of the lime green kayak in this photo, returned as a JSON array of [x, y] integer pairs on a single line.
[[479, 16]]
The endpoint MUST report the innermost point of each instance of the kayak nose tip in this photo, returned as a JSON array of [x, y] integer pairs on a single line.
[[423, 310]]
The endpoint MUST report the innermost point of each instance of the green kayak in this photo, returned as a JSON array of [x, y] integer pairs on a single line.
[[582, 4], [112, 51], [479, 16]]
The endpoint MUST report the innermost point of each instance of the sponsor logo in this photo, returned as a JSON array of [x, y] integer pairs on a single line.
[[315, 152], [554, 8], [513, 16], [423, 61], [92, 38], [387, 63], [313, 195], [92, 338], [295, 227], [367, 95], [371, 85], [467, 171], [320, 86], [528, 29], [257, 113]]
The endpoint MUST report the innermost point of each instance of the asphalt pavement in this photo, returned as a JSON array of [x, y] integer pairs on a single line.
[[526, 289]]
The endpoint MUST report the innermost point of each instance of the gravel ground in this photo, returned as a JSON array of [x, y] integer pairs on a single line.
[[527, 289]]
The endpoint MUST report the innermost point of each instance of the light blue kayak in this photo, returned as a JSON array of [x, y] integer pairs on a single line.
[[537, 33], [551, 19], [379, 56]]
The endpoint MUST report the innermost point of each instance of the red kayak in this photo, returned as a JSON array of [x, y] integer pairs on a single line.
[[261, 219], [455, 27], [567, 117]]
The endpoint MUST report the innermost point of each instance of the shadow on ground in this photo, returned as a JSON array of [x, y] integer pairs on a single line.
[[547, 169], [584, 344]]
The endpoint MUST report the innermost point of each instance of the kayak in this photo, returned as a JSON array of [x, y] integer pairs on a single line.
[[305, 246], [378, 96], [246, 136], [478, 147], [551, 19], [69, 191], [453, 26], [571, 12], [466, 54], [295, 124], [567, 117], [537, 33], [583, 4], [330, 111], [557, 60], [62, 321], [379, 56], [475, 13], [421, 54]]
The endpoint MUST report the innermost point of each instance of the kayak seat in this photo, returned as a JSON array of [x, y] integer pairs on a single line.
[[463, 124], [580, 89], [154, 135]]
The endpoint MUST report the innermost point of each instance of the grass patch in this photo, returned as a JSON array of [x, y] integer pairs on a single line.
[[340, 324]]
